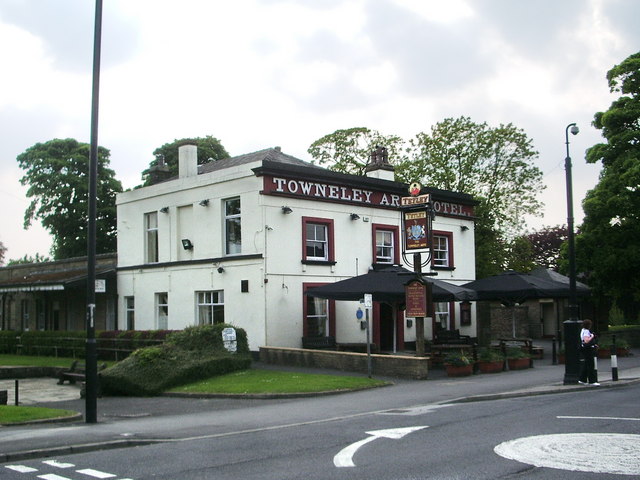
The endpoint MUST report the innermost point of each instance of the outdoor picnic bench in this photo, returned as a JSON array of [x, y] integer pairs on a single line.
[[445, 337], [76, 372], [527, 346]]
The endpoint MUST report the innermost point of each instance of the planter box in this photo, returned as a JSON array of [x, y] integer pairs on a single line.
[[518, 363], [490, 367], [459, 371]]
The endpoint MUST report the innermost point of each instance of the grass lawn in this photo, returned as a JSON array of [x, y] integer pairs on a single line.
[[35, 361], [12, 414], [271, 381]]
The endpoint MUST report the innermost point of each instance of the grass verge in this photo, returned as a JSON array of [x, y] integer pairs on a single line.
[[257, 381], [36, 361], [12, 414]]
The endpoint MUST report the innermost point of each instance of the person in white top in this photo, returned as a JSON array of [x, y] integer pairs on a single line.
[[588, 350]]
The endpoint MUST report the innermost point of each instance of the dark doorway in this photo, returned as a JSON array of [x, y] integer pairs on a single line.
[[387, 330]]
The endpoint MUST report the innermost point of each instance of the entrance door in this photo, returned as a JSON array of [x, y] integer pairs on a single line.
[[388, 332]]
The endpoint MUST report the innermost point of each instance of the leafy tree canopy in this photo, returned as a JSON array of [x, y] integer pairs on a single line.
[[56, 173], [607, 246], [348, 150], [546, 245], [3, 250], [29, 259], [209, 150], [495, 165]]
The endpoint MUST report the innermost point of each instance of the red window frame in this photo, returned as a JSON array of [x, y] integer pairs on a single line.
[[396, 236], [332, 310], [449, 237], [328, 222]]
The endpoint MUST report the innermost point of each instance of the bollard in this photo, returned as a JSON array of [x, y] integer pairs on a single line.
[[595, 367], [614, 359], [554, 356], [16, 396], [476, 367]]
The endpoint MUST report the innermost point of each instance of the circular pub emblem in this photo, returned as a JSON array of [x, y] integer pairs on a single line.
[[414, 189]]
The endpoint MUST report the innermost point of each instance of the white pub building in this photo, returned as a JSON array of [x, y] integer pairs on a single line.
[[240, 240]]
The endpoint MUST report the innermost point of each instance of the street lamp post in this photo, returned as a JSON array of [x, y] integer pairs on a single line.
[[572, 325]]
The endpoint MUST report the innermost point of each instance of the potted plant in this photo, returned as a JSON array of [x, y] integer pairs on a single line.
[[490, 361], [517, 359], [458, 364], [605, 346]]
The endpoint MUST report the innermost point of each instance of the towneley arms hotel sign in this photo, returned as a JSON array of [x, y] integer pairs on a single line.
[[328, 192]]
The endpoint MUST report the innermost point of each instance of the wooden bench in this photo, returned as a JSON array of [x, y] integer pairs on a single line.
[[319, 342], [76, 372], [526, 344], [447, 337]]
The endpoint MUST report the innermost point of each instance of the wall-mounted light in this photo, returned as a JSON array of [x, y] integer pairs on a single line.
[[354, 216], [204, 203], [464, 228], [286, 210], [186, 244], [164, 209], [220, 269]]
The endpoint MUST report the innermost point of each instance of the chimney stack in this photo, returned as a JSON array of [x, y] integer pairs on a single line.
[[379, 166], [187, 161]]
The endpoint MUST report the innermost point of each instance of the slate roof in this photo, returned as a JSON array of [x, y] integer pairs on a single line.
[[270, 154]]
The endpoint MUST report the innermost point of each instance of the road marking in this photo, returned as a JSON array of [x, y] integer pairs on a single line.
[[52, 476], [411, 411], [629, 419], [612, 453], [344, 458], [55, 463], [96, 473], [21, 468]]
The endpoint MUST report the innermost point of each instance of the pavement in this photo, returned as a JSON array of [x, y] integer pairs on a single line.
[[544, 379]]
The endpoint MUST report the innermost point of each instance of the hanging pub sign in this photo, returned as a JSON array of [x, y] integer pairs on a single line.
[[416, 230], [415, 293]]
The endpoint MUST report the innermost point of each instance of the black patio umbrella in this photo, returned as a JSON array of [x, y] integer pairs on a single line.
[[388, 285], [514, 287], [548, 274]]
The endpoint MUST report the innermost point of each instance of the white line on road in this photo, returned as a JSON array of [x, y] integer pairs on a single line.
[[55, 463], [52, 476], [600, 418], [21, 468], [96, 473]]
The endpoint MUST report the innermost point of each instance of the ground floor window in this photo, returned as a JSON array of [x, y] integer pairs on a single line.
[[319, 315], [130, 312], [162, 310], [210, 307], [442, 314]]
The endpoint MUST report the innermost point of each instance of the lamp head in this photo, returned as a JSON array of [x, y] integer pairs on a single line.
[[574, 130]]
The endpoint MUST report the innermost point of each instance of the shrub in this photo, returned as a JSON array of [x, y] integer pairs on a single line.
[[187, 356], [490, 355], [457, 359], [616, 315], [8, 341], [516, 352]]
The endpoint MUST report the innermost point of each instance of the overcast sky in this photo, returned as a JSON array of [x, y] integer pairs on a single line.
[[263, 73]]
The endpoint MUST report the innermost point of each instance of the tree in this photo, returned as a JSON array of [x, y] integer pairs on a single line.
[[607, 247], [29, 259], [495, 165], [209, 150], [348, 151], [546, 245], [3, 250], [56, 173]]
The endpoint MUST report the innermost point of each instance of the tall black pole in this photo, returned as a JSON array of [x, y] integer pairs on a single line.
[[91, 359], [572, 325]]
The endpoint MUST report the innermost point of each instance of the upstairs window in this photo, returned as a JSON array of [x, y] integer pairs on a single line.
[[385, 240], [318, 245], [151, 237], [232, 226], [442, 250]]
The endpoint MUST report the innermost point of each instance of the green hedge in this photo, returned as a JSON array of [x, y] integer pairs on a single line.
[[187, 356], [630, 333], [8, 341]]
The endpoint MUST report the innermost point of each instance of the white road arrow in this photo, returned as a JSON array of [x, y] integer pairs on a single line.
[[344, 458]]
